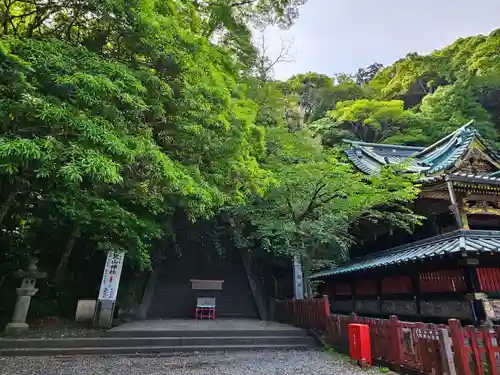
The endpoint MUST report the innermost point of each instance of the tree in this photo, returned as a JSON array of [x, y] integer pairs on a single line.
[[78, 139], [365, 75], [274, 107], [449, 87], [453, 106], [265, 64], [317, 198], [370, 120], [309, 87], [318, 93], [411, 78]]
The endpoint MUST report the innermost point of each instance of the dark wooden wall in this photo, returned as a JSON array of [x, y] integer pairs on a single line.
[[426, 291]]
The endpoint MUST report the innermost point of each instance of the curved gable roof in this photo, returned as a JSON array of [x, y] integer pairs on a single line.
[[431, 160]]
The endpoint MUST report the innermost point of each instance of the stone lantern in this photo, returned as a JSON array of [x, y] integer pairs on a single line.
[[24, 294]]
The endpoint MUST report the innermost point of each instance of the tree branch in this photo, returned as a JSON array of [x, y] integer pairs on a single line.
[[265, 65], [311, 204], [289, 204]]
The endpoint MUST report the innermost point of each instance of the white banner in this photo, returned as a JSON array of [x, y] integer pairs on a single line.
[[111, 276], [298, 278]]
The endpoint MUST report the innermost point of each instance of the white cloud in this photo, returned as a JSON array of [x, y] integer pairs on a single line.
[[333, 36]]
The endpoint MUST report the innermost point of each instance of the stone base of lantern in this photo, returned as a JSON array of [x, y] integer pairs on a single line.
[[14, 328]]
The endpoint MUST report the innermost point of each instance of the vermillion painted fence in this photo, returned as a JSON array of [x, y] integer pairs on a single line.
[[402, 346]]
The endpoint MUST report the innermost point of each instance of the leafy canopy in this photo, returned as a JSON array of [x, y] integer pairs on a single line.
[[318, 197]]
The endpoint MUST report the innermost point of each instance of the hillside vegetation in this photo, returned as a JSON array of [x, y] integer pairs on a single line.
[[415, 101]]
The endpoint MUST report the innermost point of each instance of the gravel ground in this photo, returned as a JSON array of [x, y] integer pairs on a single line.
[[242, 363], [56, 328]]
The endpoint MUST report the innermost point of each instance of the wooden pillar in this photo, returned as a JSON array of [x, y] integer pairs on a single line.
[[352, 284], [463, 215], [458, 207], [470, 275], [415, 286], [379, 293], [454, 205], [473, 289]]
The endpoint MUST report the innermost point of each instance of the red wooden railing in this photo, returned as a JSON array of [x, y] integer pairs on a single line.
[[396, 284], [442, 281], [489, 279], [397, 344], [307, 313]]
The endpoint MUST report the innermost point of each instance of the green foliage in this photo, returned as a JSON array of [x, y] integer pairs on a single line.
[[453, 106], [365, 75], [318, 197], [318, 93], [104, 137], [119, 119], [371, 120], [74, 130], [418, 99]]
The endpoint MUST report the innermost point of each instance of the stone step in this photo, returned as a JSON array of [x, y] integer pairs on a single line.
[[132, 342], [285, 332], [145, 350]]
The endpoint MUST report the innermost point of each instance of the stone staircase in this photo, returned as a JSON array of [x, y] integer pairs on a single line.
[[174, 298], [161, 342]]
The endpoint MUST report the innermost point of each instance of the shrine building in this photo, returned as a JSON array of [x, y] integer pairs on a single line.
[[450, 266]]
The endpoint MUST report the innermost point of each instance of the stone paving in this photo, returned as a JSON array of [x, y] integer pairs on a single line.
[[237, 363], [201, 325]]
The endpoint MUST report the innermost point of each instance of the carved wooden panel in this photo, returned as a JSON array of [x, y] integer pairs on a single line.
[[446, 309], [476, 162], [492, 308], [481, 207], [483, 197], [431, 194], [401, 307]]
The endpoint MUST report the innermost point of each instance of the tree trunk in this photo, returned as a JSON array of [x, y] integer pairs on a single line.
[[61, 269], [7, 202], [306, 269]]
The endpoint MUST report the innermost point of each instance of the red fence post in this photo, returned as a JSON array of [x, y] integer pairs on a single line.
[[476, 355], [458, 342], [424, 360], [327, 312], [326, 302], [397, 345], [490, 352]]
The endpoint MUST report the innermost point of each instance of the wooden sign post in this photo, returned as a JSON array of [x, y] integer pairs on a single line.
[[446, 353]]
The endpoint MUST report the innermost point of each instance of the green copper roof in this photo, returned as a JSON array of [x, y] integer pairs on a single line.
[[440, 156], [469, 241]]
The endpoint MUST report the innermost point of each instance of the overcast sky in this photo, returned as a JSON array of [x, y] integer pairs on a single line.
[[332, 36]]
